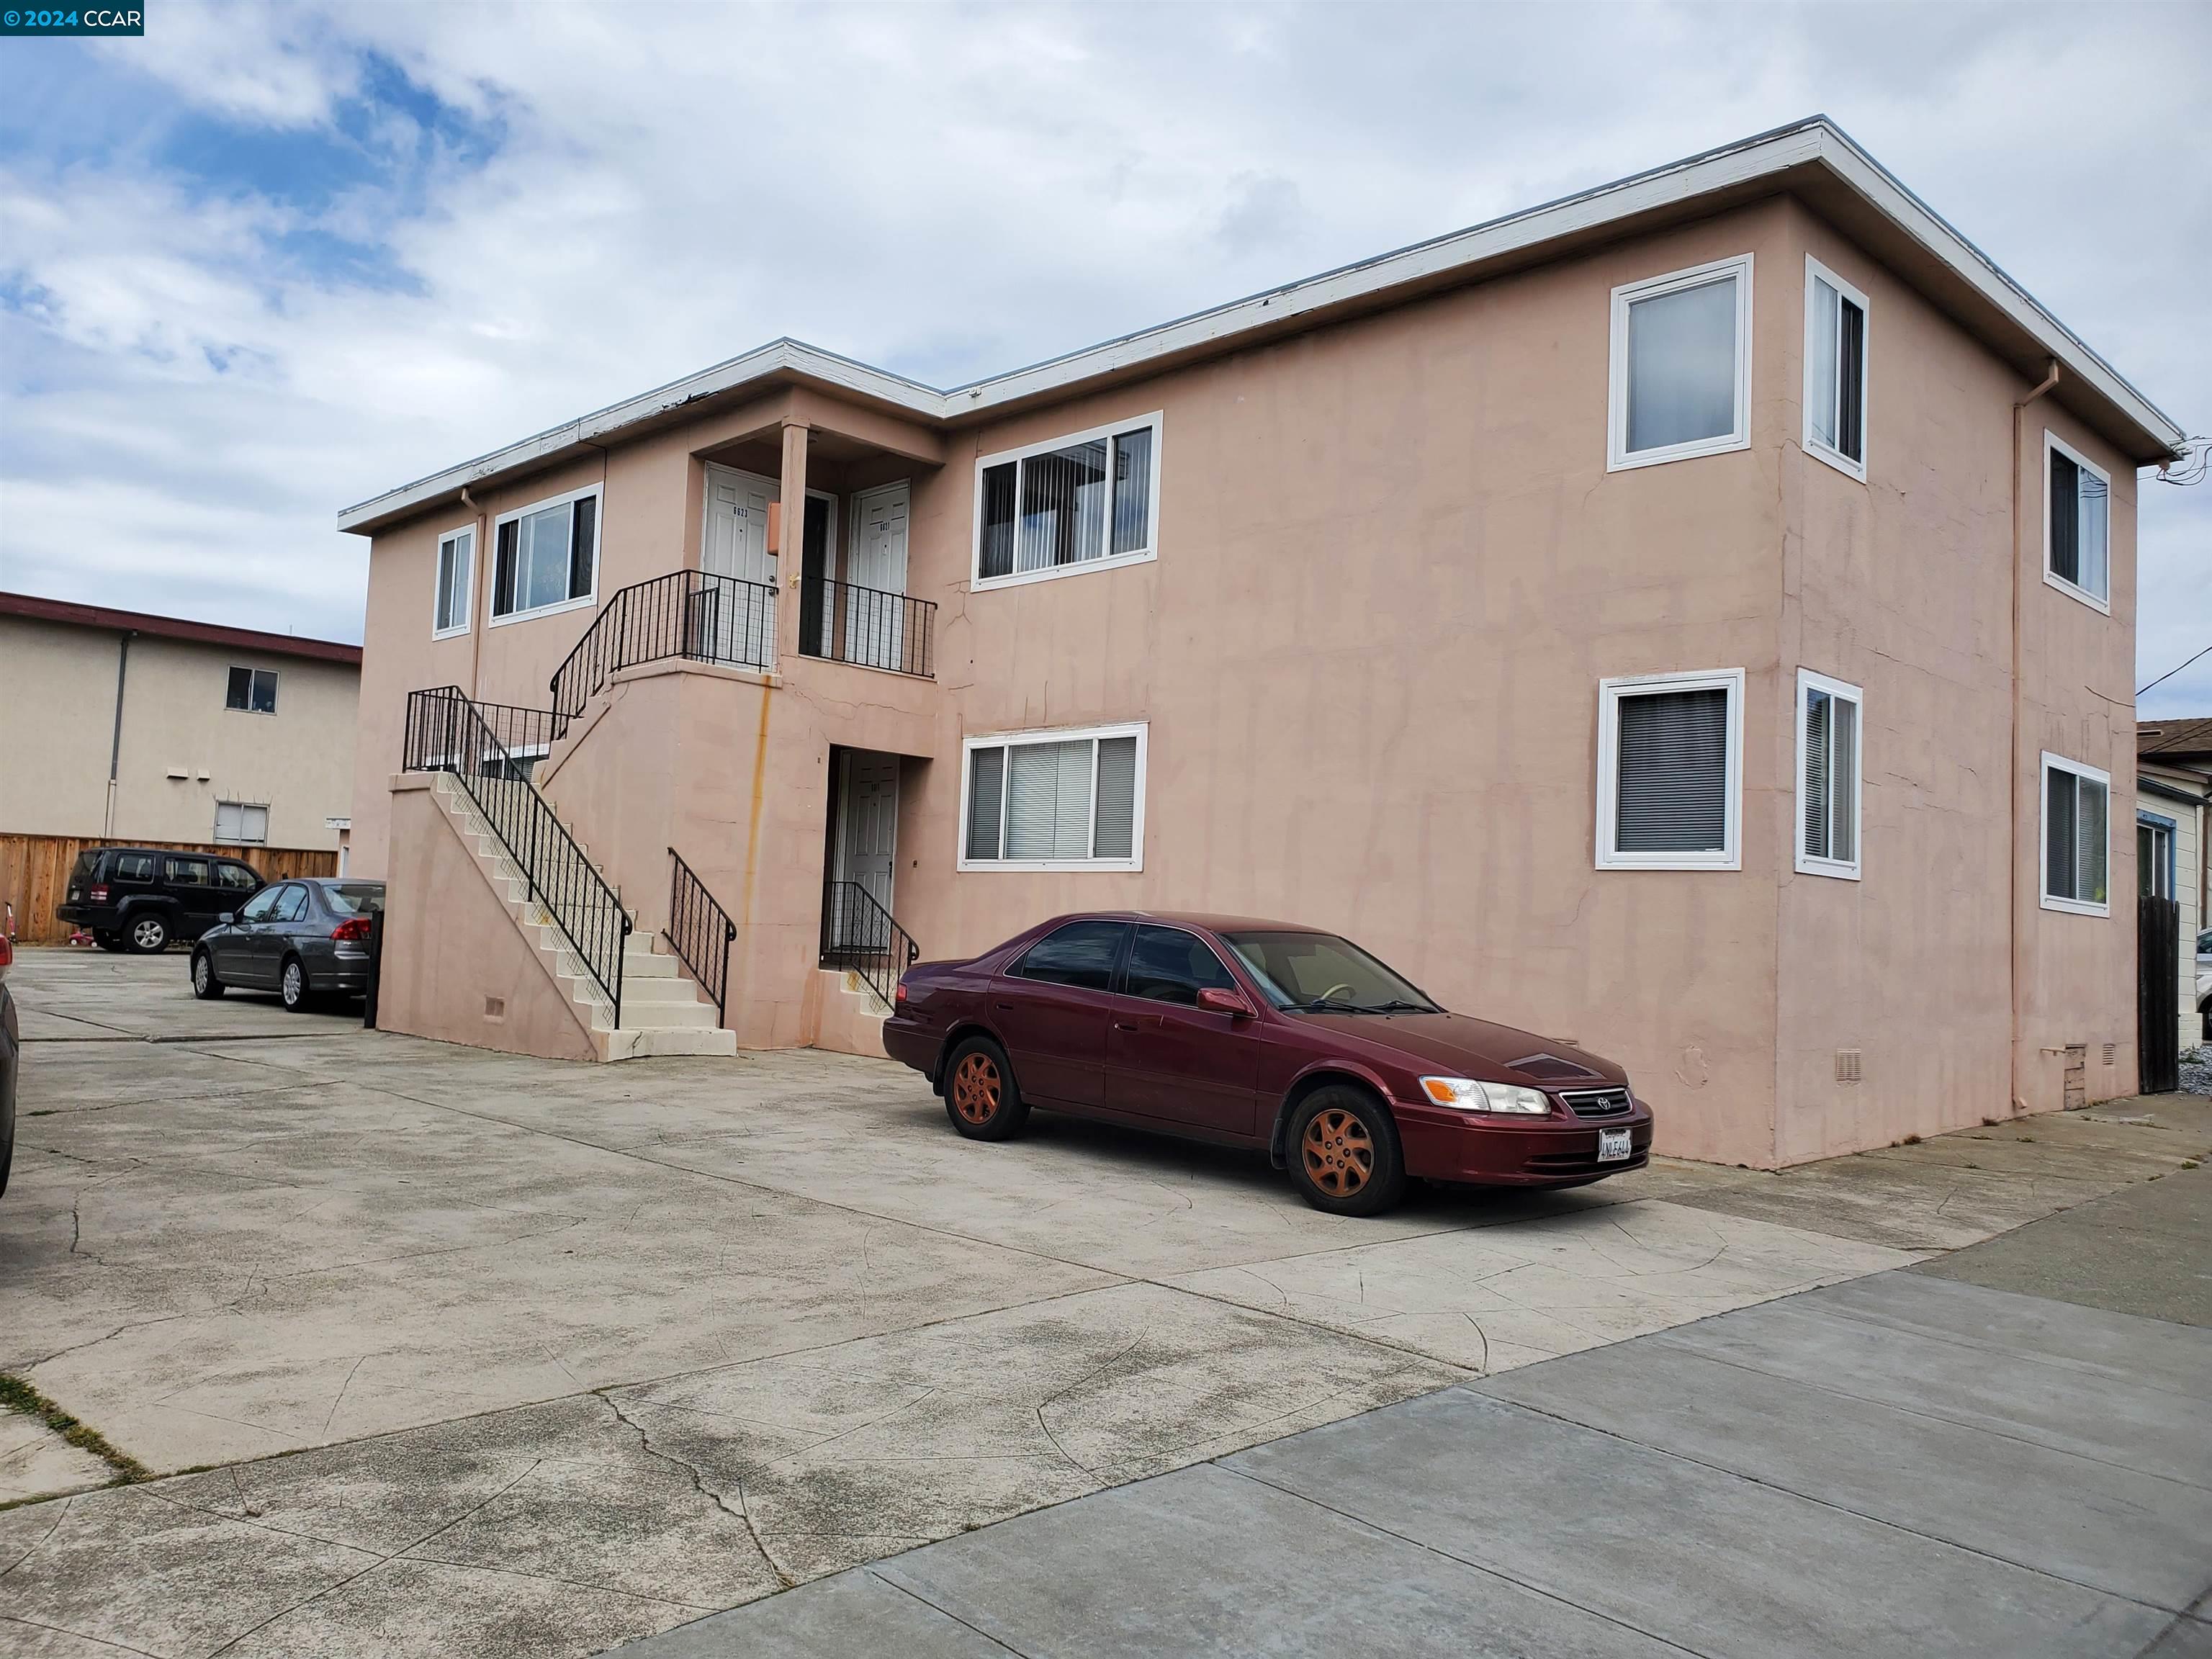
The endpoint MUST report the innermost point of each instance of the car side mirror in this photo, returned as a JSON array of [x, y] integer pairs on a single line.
[[1221, 1001], [228, 917]]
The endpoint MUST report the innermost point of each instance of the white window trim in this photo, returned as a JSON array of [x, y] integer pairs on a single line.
[[1618, 460], [2102, 606], [468, 588], [1609, 693], [267, 714], [1808, 863], [598, 548], [1139, 730], [2080, 769], [979, 583], [243, 807], [1819, 451]]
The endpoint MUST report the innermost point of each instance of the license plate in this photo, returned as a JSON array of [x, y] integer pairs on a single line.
[[1612, 1146]]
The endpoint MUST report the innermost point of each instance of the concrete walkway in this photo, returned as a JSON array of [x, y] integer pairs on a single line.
[[1908, 1464]]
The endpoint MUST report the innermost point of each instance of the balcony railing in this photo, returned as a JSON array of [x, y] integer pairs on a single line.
[[693, 614], [865, 625]]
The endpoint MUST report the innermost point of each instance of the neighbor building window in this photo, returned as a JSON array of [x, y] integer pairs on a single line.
[[1681, 377], [2077, 836], [1074, 503], [545, 557], [457, 564], [1670, 771], [1055, 800], [2078, 527], [253, 690], [241, 823], [2155, 855], [1835, 370], [1827, 776]]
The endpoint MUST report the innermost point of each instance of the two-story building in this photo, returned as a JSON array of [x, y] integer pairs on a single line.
[[1695, 617]]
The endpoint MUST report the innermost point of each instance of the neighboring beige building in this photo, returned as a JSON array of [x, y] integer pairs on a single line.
[[2173, 811], [1643, 619], [120, 727]]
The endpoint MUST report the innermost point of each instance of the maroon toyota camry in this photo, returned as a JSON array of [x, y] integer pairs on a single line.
[[1261, 1034]]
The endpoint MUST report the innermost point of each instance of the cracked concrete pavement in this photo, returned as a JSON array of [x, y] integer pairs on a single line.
[[439, 1351]]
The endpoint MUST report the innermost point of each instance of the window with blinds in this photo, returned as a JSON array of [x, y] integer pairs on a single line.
[[1827, 776], [1835, 370], [2079, 523], [1669, 790], [1068, 504], [1055, 800], [2077, 836]]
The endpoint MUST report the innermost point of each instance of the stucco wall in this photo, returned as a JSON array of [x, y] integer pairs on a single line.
[[58, 683]]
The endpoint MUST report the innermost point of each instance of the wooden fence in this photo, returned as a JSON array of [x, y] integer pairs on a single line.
[[34, 874]]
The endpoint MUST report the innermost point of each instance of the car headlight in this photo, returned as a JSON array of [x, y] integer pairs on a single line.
[[1468, 1096]]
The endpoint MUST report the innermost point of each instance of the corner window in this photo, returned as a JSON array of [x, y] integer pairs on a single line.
[[1055, 800], [457, 562], [545, 557], [2077, 836], [1670, 771], [1071, 504], [2077, 526], [241, 823], [1835, 370], [253, 690], [1681, 375], [1827, 776]]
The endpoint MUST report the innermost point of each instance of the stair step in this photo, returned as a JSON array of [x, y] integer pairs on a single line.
[[655, 989], [648, 1044]]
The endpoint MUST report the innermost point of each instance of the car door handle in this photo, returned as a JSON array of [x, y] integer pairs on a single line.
[[1003, 1007], [1123, 1025]]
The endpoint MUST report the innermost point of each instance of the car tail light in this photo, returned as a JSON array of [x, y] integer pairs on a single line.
[[898, 995], [355, 932], [100, 896], [6, 951]]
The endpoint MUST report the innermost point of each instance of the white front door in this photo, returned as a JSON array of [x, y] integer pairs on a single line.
[[875, 571], [868, 842], [741, 621]]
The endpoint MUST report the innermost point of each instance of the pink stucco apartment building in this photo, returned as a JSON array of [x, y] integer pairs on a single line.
[[1695, 617]]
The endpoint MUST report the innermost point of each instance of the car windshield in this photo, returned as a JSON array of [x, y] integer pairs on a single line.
[[1319, 973], [352, 898]]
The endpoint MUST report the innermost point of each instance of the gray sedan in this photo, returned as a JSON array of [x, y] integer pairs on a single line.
[[302, 939]]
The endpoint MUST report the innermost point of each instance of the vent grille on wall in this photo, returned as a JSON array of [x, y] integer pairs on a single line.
[[1847, 1066], [2111, 1052]]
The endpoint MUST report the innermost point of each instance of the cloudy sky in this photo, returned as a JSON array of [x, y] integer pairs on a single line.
[[269, 261]]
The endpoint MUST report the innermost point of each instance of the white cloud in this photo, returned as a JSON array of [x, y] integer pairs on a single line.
[[949, 192]]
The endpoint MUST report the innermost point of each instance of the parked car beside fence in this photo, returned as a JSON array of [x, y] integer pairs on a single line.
[[140, 898], [303, 939], [11, 1054]]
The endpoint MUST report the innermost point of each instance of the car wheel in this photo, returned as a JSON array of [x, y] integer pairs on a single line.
[[205, 985], [981, 1095], [148, 935], [1344, 1152], [292, 984]]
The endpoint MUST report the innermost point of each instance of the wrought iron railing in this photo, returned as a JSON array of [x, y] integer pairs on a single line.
[[867, 626], [861, 937], [526, 733], [700, 932], [693, 614], [446, 733]]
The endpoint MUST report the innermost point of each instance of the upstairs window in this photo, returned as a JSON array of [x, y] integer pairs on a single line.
[[241, 823], [2077, 836], [545, 557], [1055, 800], [1069, 505], [457, 562], [2078, 527], [1670, 771], [1835, 370], [1827, 776], [1681, 377], [253, 690]]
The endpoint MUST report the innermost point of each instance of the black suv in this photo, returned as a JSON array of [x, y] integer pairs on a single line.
[[139, 898]]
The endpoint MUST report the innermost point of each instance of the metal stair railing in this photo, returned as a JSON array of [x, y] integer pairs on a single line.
[[447, 732], [860, 936], [693, 614], [700, 932]]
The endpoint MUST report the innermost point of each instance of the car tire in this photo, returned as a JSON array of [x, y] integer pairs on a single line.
[[147, 935], [292, 984], [981, 1095], [1345, 1156], [205, 986]]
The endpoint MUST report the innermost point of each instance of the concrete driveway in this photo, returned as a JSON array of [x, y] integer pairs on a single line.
[[481, 1355]]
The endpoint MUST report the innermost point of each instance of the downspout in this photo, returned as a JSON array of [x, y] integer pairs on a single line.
[[2012, 752], [115, 744], [479, 604]]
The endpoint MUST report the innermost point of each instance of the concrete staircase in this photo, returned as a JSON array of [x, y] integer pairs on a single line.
[[852, 1016], [664, 1012]]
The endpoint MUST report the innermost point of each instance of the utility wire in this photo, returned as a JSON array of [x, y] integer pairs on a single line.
[[2170, 672]]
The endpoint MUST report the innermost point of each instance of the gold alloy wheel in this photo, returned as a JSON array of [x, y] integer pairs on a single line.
[[975, 1088], [1339, 1152]]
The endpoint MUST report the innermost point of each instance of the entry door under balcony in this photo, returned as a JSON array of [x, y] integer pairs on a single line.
[[875, 572], [735, 544], [867, 839]]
